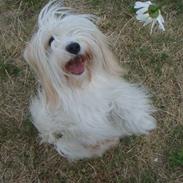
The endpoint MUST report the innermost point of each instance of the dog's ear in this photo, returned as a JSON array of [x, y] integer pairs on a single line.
[[50, 94], [110, 63]]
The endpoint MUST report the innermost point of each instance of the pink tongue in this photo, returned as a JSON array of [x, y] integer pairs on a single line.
[[75, 66]]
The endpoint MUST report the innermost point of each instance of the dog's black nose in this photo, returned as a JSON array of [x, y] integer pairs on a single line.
[[73, 48]]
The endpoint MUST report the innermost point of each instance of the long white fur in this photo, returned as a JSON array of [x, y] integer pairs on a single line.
[[92, 117]]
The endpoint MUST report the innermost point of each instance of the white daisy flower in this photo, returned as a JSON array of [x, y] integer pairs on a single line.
[[148, 12]]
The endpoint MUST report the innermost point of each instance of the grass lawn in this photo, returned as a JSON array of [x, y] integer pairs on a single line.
[[155, 61]]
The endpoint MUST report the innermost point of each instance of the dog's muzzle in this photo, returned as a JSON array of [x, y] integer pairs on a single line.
[[76, 65]]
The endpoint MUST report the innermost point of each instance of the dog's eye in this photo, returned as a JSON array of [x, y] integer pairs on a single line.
[[51, 40]]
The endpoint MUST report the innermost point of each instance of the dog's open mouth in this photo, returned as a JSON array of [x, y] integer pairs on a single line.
[[76, 65]]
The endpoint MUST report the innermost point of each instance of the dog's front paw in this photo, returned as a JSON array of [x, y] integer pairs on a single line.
[[146, 124]]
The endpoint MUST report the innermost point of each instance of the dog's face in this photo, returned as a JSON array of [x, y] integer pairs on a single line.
[[67, 50]]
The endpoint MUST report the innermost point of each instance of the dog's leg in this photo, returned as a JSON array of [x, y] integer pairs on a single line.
[[132, 111]]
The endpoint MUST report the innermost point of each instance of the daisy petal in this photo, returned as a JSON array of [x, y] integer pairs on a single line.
[[148, 21], [142, 17], [142, 10], [140, 4], [152, 26], [161, 26], [162, 19]]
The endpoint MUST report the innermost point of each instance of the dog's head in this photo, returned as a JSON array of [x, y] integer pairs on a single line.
[[68, 49]]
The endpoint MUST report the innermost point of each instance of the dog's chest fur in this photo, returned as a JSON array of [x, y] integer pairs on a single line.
[[83, 112]]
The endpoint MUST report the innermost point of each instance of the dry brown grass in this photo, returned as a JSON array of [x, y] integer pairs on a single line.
[[156, 61]]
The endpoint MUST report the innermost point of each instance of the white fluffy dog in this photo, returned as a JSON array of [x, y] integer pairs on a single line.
[[83, 107]]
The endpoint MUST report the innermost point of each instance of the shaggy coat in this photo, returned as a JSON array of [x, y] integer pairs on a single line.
[[81, 114]]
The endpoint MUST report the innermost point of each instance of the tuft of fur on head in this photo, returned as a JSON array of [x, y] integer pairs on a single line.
[[56, 68]]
